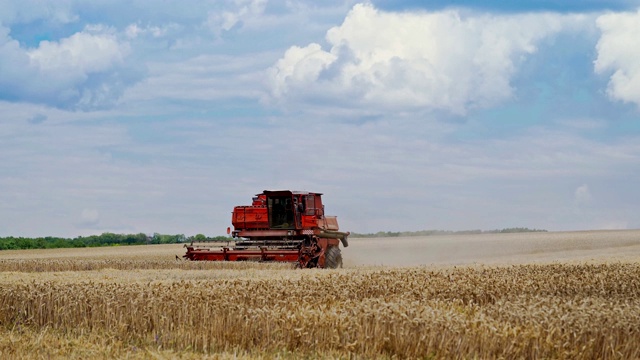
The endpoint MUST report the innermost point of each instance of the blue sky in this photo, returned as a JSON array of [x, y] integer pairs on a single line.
[[139, 116]]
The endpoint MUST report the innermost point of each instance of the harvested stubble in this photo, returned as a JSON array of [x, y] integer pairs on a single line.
[[525, 311]]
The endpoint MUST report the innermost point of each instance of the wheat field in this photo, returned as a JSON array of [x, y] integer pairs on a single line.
[[573, 300]]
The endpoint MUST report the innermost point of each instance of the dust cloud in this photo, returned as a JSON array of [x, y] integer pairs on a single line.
[[516, 248]]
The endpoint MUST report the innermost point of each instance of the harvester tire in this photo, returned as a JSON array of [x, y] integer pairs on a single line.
[[333, 258]]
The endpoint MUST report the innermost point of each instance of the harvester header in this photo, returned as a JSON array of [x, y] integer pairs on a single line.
[[281, 225]]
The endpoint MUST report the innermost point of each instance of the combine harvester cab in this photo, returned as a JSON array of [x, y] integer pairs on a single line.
[[285, 226]]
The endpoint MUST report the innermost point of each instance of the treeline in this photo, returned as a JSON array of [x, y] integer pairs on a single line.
[[105, 239], [442, 232]]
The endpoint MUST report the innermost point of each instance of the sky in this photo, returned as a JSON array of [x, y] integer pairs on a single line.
[[144, 116]]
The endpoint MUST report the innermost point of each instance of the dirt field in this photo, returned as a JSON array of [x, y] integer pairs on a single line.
[[529, 295]]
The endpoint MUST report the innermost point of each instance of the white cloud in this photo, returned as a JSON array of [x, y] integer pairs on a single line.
[[134, 30], [240, 11], [299, 66], [92, 68], [12, 63], [443, 60], [619, 52], [85, 70], [81, 53], [582, 195]]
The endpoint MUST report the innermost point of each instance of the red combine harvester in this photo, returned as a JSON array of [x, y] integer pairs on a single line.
[[287, 226]]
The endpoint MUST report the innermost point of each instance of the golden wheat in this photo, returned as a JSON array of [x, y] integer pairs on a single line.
[[524, 311]]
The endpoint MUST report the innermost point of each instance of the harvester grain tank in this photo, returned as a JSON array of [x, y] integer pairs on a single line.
[[283, 225]]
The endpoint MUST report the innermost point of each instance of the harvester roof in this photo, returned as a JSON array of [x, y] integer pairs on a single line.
[[287, 192]]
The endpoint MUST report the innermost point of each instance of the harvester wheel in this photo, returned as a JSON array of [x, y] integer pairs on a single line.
[[333, 258]]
